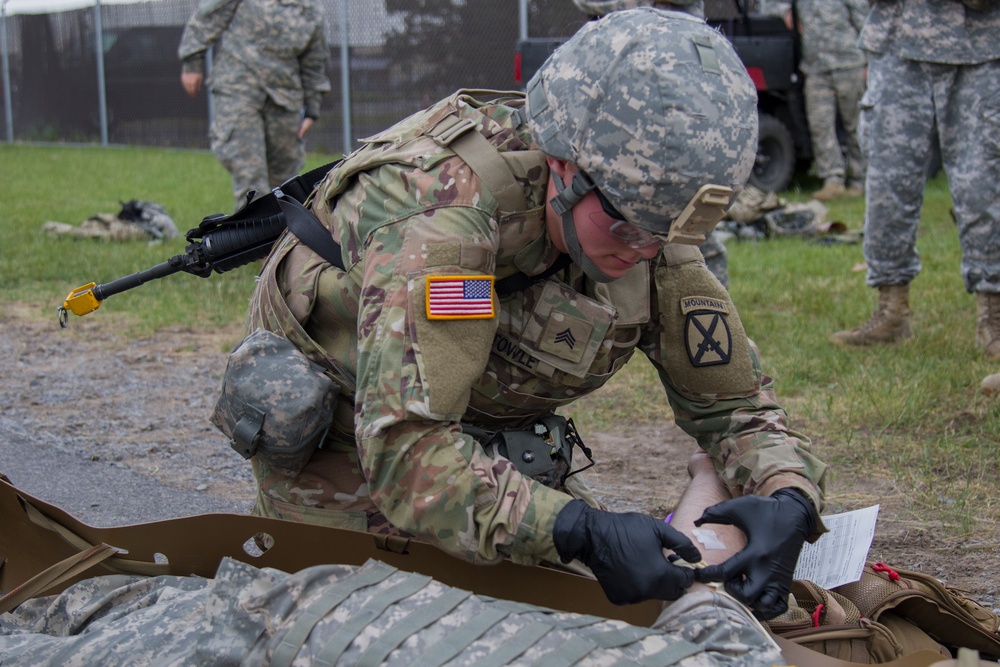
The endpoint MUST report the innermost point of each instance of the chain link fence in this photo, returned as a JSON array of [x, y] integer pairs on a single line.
[[108, 73]]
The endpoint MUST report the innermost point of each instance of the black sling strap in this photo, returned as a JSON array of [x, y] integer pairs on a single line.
[[291, 195], [300, 187], [310, 231]]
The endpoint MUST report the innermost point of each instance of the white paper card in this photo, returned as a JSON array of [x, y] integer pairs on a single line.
[[838, 557]]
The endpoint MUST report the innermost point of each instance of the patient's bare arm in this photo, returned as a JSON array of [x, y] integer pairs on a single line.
[[716, 542]]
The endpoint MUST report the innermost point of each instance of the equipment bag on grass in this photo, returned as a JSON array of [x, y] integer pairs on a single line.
[[888, 614]]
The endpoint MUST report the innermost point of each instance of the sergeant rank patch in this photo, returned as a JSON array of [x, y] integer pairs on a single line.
[[706, 332], [459, 297]]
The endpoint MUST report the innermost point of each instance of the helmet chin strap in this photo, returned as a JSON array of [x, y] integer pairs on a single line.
[[566, 198]]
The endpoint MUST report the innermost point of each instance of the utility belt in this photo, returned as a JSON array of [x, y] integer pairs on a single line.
[[278, 405]]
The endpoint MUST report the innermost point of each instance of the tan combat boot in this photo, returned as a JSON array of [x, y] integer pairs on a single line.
[[988, 323], [889, 323], [830, 190]]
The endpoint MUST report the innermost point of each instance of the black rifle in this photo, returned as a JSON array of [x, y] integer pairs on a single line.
[[225, 242]]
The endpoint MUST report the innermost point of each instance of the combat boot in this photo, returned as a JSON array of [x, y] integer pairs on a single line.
[[830, 190], [889, 323], [988, 323]]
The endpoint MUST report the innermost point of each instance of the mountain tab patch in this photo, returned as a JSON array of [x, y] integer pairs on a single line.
[[706, 331]]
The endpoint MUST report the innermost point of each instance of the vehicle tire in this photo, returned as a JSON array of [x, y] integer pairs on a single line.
[[774, 165]]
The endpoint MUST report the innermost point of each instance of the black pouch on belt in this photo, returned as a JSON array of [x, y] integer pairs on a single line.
[[543, 452]]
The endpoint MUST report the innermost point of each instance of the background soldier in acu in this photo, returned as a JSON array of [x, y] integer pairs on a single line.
[[503, 257], [834, 66], [268, 78], [931, 63]]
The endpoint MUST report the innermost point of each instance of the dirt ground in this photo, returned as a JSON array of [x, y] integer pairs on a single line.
[[143, 405]]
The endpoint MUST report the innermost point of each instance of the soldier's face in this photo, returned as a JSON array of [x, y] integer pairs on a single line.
[[611, 255]]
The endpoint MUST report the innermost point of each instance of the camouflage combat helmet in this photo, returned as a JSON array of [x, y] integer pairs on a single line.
[[652, 107]]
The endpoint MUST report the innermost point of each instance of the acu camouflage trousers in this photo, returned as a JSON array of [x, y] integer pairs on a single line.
[[904, 102], [256, 141], [827, 95]]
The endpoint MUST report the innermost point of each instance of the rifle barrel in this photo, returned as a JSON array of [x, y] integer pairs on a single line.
[[102, 292]]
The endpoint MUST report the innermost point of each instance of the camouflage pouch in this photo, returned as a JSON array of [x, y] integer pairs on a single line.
[[276, 404]]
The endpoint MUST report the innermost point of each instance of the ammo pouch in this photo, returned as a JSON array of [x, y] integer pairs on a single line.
[[543, 452], [276, 404]]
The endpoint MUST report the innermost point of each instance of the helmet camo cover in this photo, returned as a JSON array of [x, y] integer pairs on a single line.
[[652, 105]]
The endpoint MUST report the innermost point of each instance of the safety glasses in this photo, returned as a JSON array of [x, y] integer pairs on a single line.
[[623, 230]]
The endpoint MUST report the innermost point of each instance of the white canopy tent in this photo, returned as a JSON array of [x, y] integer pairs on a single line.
[[12, 7]]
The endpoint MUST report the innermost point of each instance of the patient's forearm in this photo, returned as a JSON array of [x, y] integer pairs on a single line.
[[716, 542]]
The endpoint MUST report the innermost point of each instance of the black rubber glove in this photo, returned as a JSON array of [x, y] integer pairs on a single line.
[[625, 552], [760, 575]]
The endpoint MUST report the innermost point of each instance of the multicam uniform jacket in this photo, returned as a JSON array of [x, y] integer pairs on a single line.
[[404, 207]]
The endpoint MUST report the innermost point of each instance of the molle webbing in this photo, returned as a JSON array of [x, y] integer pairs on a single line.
[[458, 639], [296, 637], [413, 623], [342, 638], [377, 588]]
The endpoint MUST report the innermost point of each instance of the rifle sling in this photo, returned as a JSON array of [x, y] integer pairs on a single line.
[[310, 231]]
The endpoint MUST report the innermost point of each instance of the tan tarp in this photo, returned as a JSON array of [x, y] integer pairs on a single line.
[[35, 536]]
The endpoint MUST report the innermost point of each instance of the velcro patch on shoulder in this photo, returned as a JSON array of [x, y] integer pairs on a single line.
[[460, 297], [696, 312], [707, 338]]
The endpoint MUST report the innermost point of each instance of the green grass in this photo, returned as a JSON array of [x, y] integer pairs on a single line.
[[910, 412], [69, 184]]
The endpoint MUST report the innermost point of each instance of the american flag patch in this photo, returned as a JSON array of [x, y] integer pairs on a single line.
[[459, 297]]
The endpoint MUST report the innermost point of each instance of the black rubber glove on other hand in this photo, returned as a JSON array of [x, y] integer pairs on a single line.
[[760, 575], [625, 552]]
